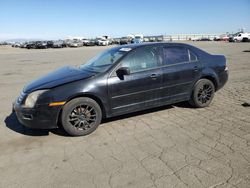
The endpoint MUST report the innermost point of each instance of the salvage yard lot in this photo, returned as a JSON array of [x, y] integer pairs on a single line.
[[171, 146]]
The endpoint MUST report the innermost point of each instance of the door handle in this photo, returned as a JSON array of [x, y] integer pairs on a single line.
[[196, 68], [153, 76]]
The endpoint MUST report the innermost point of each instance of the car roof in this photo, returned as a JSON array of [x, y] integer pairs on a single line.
[[133, 46], [167, 44]]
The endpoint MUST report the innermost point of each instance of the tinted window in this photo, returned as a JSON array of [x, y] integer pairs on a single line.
[[173, 55], [142, 59], [192, 56], [104, 61]]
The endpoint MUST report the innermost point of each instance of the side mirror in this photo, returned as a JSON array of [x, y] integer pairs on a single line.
[[123, 71]]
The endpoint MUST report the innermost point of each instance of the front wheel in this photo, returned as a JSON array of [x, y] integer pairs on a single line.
[[203, 93], [81, 116]]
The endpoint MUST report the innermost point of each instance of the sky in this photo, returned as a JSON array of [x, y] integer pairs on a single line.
[[54, 19]]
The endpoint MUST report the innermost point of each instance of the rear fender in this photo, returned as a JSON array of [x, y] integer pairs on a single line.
[[212, 76]]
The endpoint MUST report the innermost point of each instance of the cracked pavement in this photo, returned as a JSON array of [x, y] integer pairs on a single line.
[[170, 146]]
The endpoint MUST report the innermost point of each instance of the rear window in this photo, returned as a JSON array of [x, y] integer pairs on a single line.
[[175, 55]]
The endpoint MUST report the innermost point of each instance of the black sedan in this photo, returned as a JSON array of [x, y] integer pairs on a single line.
[[41, 45], [121, 80], [31, 45]]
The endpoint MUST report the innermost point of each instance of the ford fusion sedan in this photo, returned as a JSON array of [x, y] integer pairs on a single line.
[[121, 80]]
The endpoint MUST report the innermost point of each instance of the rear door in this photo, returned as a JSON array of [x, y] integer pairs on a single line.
[[181, 69], [142, 87]]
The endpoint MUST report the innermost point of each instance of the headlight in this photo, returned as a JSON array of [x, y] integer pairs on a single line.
[[32, 98]]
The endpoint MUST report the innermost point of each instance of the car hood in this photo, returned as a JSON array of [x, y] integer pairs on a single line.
[[61, 76]]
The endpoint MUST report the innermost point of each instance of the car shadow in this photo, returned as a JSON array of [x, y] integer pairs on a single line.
[[148, 111], [134, 114], [183, 105], [12, 122]]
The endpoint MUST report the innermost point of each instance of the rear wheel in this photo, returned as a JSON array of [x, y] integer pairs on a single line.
[[245, 39], [203, 93], [81, 116]]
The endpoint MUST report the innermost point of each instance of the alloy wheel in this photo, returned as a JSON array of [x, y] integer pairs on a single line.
[[82, 117], [205, 94]]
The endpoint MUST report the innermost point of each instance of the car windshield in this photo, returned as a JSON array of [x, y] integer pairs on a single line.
[[104, 61]]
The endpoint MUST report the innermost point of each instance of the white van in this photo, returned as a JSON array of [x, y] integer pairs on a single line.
[[242, 37]]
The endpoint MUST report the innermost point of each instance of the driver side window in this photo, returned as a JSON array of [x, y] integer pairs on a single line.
[[142, 59]]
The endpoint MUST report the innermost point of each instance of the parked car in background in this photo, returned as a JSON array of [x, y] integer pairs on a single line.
[[152, 39], [125, 40], [116, 41], [146, 39], [159, 39], [41, 45], [201, 39], [16, 45], [121, 80], [205, 39], [102, 42], [73, 44], [231, 36], [91, 42], [31, 45], [111, 41], [50, 44], [242, 37], [67, 42], [24, 45], [217, 38], [223, 37], [85, 41], [76, 43], [138, 39], [5, 43], [58, 44]]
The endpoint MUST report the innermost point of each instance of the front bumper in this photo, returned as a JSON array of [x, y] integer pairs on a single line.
[[40, 117]]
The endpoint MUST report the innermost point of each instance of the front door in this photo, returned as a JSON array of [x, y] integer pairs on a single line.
[[141, 88]]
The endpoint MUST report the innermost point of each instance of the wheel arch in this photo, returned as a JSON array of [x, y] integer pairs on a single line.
[[212, 79], [89, 95]]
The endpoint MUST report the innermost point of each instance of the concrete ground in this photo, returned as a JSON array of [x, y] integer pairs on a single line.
[[172, 146]]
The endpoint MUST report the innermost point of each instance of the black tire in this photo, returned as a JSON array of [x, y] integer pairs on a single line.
[[245, 39], [81, 116], [202, 94]]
